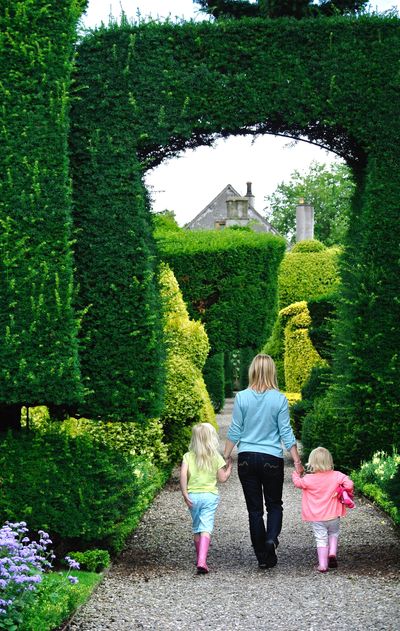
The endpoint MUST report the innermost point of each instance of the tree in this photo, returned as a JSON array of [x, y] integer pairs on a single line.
[[328, 188], [279, 8]]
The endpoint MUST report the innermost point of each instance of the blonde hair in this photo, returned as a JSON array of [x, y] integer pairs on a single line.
[[262, 373], [320, 459], [205, 445]]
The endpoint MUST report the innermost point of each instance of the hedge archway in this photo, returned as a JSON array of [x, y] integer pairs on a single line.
[[146, 92]]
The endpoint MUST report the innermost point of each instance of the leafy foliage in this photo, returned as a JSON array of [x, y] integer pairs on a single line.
[[92, 560], [279, 8], [299, 78], [228, 279], [379, 479], [307, 275], [300, 355], [76, 488], [186, 398], [214, 376], [38, 326], [122, 354], [328, 189]]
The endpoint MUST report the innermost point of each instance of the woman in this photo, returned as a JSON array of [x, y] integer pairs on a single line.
[[260, 423]]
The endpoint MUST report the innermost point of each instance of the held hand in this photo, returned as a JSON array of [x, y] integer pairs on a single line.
[[299, 467], [188, 501]]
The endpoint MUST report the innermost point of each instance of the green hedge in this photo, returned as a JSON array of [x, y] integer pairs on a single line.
[[77, 489], [308, 274], [122, 355], [228, 280], [38, 327], [229, 374], [214, 377], [186, 398], [184, 84]]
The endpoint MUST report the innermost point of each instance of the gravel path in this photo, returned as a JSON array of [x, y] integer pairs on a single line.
[[153, 585]]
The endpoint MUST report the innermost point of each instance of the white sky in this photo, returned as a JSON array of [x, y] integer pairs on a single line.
[[187, 183]]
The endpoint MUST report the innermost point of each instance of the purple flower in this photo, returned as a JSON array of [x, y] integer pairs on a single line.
[[73, 580]]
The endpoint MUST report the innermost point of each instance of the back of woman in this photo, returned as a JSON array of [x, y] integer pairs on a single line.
[[260, 423]]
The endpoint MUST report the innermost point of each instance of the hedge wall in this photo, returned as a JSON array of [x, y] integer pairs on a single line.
[[307, 274], [214, 377], [38, 327], [228, 280], [188, 83], [122, 353]]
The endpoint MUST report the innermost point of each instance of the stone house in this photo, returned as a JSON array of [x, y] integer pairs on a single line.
[[229, 208]]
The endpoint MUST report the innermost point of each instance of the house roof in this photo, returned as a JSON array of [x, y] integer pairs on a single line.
[[217, 207]]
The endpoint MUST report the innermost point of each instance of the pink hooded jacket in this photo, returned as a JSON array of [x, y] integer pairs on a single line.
[[319, 500]]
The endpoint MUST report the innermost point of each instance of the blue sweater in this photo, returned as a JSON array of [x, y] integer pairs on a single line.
[[261, 422]]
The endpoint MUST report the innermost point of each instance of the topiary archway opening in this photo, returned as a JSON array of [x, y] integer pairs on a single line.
[[149, 91]]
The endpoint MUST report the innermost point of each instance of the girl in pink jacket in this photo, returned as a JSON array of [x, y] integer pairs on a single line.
[[321, 505]]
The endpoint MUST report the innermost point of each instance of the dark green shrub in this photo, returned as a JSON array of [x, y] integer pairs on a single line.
[[122, 354], [92, 560], [319, 428], [316, 386], [76, 489], [196, 76], [214, 376], [275, 347], [318, 382], [323, 316], [38, 327], [229, 374], [246, 357], [228, 280]]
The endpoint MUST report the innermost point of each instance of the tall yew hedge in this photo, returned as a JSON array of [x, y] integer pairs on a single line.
[[38, 326], [229, 280], [122, 350], [334, 81]]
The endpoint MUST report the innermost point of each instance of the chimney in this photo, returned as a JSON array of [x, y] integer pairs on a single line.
[[304, 221], [250, 195]]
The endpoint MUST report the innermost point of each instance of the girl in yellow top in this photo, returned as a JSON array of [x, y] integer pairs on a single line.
[[201, 467]]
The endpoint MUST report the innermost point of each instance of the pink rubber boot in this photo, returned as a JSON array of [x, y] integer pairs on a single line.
[[333, 544], [197, 546], [202, 557], [322, 559]]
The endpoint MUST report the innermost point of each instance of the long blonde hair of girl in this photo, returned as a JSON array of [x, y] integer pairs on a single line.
[[262, 374], [205, 445]]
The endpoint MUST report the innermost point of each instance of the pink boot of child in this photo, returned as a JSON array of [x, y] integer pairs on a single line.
[[202, 556], [332, 560], [322, 559]]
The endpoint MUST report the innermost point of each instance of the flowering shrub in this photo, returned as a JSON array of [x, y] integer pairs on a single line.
[[22, 564], [379, 479]]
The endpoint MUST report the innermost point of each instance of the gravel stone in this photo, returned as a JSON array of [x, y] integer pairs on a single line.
[[154, 586]]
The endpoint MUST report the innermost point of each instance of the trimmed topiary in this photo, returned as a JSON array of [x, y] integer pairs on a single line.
[[308, 274], [186, 398]]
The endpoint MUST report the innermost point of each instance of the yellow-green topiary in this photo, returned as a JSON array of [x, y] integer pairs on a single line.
[[300, 354], [186, 398], [308, 272]]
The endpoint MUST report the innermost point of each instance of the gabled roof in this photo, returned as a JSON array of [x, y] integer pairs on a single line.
[[221, 197], [217, 207]]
